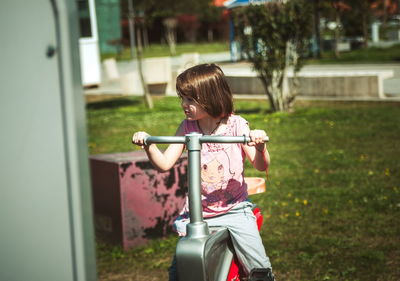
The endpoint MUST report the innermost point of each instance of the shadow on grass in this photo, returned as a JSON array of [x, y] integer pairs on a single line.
[[112, 103]]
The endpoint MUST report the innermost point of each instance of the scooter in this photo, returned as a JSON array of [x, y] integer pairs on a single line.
[[205, 254]]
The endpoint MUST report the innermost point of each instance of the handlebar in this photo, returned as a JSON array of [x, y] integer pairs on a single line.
[[201, 138]]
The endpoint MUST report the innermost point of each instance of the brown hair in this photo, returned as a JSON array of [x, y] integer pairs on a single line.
[[206, 84]]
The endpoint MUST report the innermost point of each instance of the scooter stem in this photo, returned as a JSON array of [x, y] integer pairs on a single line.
[[197, 227]]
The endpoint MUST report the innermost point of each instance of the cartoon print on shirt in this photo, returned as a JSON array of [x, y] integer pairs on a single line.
[[212, 176], [218, 184]]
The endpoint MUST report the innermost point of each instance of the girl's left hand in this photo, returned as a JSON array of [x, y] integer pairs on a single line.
[[257, 138]]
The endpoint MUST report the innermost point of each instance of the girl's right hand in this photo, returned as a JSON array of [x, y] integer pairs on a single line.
[[139, 137]]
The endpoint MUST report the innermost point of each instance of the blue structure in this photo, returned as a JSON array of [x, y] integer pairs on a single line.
[[230, 4]]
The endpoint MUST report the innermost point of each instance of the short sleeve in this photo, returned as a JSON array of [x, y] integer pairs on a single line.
[[189, 127], [242, 126]]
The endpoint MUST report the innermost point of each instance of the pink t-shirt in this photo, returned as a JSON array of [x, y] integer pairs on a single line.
[[222, 181]]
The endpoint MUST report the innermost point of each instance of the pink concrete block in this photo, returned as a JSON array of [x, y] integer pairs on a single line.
[[132, 201]]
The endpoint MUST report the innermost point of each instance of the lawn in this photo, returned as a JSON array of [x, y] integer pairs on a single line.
[[161, 50], [368, 55], [332, 205]]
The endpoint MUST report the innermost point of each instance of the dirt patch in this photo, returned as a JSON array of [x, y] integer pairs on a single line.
[[136, 275], [98, 98]]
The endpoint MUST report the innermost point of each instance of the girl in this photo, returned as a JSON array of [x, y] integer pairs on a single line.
[[208, 106]]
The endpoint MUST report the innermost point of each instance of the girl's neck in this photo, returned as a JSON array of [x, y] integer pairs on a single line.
[[209, 125]]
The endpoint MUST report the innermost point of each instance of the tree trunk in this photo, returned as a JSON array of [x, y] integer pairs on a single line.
[[279, 92], [317, 29], [146, 94], [138, 54], [170, 36], [145, 37], [210, 35], [285, 79], [365, 24], [337, 34], [170, 27], [385, 17], [271, 100]]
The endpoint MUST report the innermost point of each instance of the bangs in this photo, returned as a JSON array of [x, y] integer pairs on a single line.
[[184, 88]]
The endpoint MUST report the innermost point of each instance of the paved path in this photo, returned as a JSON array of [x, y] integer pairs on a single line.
[[391, 85]]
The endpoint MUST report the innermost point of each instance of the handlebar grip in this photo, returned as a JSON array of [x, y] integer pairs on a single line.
[[266, 139]]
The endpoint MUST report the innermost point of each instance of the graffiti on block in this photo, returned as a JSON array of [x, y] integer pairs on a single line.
[[150, 200]]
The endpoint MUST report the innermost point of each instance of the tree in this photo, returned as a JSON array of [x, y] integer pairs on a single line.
[[317, 29], [170, 26], [275, 37], [211, 19], [338, 7], [384, 10], [354, 16], [138, 52], [168, 11], [364, 7]]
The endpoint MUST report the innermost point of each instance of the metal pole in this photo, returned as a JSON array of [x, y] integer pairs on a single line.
[[197, 227], [195, 207]]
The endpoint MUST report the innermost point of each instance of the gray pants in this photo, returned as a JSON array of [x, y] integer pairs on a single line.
[[246, 239]]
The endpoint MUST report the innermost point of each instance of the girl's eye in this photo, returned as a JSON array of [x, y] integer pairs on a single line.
[[204, 167]]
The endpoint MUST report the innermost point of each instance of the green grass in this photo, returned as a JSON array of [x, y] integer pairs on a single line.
[[161, 50], [332, 205], [369, 55]]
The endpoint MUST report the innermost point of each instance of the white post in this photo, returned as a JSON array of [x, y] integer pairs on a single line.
[[375, 32]]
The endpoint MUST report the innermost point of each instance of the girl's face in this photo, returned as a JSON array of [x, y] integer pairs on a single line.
[[192, 109]]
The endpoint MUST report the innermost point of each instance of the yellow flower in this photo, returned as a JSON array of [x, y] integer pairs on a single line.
[[289, 195], [297, 214], [284, 204], [363, 157], [305, 202], [387, 172], [370, 173], [330, 123], [92, 145], [325, 211], [297, 200]]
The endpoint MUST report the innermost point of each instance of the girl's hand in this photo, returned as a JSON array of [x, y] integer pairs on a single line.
[[139, 137], [257, 139]]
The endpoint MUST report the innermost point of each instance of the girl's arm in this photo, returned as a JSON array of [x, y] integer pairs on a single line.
[[162, 161], [256, 150]]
